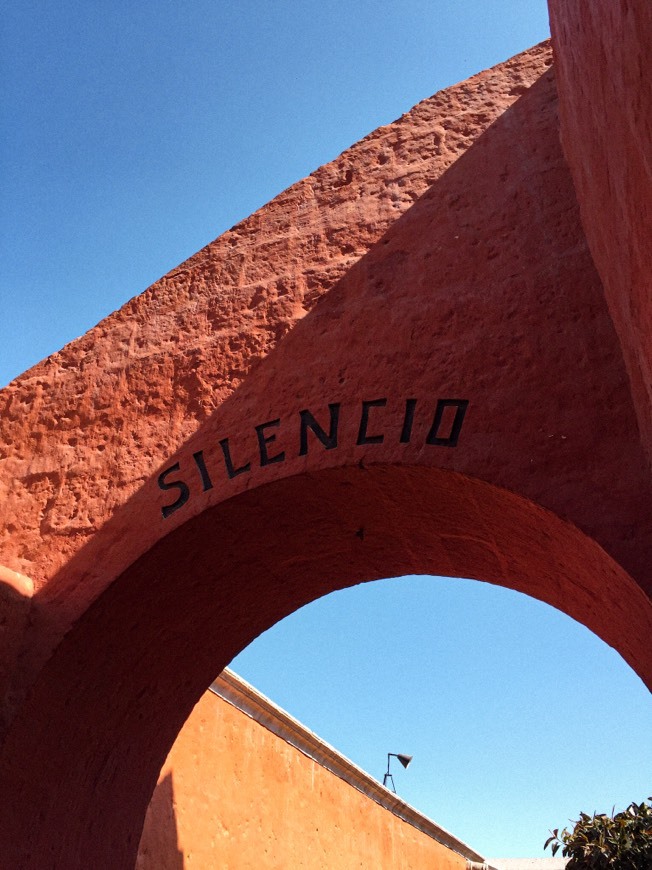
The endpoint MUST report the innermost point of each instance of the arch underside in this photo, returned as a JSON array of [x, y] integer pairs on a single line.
[[133, 667]]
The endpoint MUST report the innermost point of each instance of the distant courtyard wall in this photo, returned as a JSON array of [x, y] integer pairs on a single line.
[[234, 794]]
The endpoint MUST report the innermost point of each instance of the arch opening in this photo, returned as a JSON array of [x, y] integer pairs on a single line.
[[135, 664], [500, 698]]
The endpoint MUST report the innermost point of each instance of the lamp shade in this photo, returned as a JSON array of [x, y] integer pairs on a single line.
[[404, 759]]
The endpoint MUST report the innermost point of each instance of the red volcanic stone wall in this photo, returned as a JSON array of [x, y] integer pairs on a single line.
[[442, 257], [81, 431], [448, 260], [603, 51], [234, 794]]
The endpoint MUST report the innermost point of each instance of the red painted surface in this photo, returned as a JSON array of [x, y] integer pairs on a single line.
[[234, 795], [441, 258], [603, 65]]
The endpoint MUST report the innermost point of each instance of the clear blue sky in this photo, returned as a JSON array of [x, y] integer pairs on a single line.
[[135, 133], [517, 716]]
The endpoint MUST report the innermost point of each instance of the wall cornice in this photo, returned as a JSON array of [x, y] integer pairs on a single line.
[[240, 694]]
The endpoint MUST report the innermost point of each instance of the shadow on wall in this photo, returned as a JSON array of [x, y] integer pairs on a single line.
[[431, 280], [16, 593], [163, 840]]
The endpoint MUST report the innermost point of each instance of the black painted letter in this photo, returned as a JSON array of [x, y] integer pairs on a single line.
[[453, 428], [408, 420], [363, 438], [230, 470], [264, 440], [206, 481], [184, 492], [308, 422]]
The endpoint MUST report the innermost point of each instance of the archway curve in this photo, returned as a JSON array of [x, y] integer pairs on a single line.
[[135, 664]]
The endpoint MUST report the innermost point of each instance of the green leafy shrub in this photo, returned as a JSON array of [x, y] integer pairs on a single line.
[[600, 842]]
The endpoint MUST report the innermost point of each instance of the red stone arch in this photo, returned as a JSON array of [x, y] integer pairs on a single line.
[[405, 363], [132, 668]]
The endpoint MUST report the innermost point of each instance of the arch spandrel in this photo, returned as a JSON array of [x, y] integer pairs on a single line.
[[82, 431], [512, 322]]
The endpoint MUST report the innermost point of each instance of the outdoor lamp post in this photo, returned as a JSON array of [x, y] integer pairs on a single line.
[[404, 759]]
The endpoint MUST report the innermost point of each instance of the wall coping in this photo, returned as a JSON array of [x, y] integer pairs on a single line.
[[241, 695], [528, 863]]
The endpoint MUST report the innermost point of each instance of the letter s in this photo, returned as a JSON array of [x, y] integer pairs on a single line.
[[184, 492]]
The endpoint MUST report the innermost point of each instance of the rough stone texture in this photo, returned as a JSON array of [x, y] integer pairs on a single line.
[[491, 264], [15, 599], [115, 694], [603, 53], [441, 257], [81, 431], [232, 794]]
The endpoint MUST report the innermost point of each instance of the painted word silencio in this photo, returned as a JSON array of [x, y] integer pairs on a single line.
[[444, 431]]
